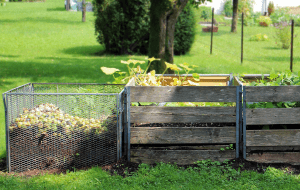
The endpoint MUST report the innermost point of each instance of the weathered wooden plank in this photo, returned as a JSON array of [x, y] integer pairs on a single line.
[[286, 137], [179, 156], [266, 116], [272, 93], [275, 157], [183, 94], [272, 148], [182, 135], [149, 114]]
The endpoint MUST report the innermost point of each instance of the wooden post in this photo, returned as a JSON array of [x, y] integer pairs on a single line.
[[212, 30], [68, 5], [83, 10], [242, 40], [292, 46]]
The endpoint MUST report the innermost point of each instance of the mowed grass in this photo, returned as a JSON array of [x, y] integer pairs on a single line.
[[163, 176]]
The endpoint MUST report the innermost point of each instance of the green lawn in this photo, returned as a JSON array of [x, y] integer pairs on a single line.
[[41, 42], [163, 176]]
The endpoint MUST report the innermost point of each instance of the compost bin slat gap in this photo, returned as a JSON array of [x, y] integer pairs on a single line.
[[180, 146], [259, 149], [183, 94], [266, 116]]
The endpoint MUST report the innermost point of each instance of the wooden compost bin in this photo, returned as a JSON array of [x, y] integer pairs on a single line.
[[183, 145], [271, 146], [247, 79]]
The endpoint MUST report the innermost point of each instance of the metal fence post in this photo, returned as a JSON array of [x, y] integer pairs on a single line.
[[7, 133], [244, 122], [128, 122], [242, 40], [292, 46], [240, 120], [237, 121], [212, 30]]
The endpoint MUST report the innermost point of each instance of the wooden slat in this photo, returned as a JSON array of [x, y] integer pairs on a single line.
[[275, 157], [182, 135], [183, 94], [153, 114], [266, 116], [272, 93], [286, 137], [182, 157]]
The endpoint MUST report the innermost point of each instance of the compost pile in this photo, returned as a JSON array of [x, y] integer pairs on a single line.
[[45, 137]]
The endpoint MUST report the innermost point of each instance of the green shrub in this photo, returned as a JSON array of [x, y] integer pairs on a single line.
[[123, 26], [280, 15], [259, 37], [206, 12], [296, 19], [184, 31], [283, 35], [264, 21], [228, 8]]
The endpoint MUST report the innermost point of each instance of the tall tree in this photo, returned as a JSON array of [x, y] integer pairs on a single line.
[[83, 10], [235, 6], [163, 17]]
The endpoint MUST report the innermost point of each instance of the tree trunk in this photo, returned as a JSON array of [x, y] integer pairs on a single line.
[[171, 22], [83, 10], [68, 5], [157, 37], [162, 29], [234, 15]]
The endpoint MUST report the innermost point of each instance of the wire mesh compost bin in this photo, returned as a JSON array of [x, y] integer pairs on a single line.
[[52, 125]]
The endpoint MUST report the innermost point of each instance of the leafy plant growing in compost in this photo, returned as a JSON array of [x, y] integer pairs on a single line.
[[276, 79], [143, 78]]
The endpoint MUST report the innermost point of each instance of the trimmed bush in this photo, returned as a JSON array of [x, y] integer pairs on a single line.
[[228, 8], [123, 26], [184, 31]]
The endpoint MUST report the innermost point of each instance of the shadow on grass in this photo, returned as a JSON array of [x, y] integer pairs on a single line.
[[273, 48], [56, 9], [275, 59], [9, 56], [53, 69], [86, 50], [42, 20]]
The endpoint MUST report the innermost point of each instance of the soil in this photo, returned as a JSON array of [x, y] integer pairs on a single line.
[[122, 166]]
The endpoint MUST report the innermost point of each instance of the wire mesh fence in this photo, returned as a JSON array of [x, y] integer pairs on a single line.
[[62, 125], [265, 48]]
